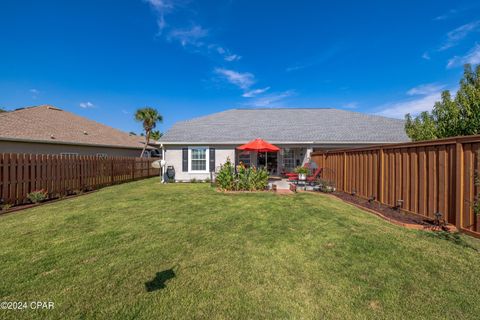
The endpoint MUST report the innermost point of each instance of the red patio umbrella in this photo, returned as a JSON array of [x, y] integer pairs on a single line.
[[259, 145]]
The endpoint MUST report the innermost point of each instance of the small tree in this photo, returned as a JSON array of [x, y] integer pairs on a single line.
[[450, 118], [149, 117], [2, 110], [421, 128]]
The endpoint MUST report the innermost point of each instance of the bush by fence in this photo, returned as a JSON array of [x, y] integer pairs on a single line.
[[421, 177], [61, 175]]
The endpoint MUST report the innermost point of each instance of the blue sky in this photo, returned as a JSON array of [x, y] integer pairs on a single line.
[[104, 59]]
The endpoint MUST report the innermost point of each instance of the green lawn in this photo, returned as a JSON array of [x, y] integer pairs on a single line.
[[145, 250]]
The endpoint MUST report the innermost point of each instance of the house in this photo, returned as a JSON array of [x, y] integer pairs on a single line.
[[198, 146], [50, 130]]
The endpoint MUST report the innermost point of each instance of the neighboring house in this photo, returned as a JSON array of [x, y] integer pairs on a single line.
[[198, 146], [50, 130]]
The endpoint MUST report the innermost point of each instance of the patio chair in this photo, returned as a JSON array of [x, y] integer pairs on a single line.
[[315, 176]]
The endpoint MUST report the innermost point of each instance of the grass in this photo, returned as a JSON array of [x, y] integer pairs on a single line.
[[145, 250]]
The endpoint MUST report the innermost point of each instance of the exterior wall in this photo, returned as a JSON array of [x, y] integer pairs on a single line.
[[173, 157], [50, 148]]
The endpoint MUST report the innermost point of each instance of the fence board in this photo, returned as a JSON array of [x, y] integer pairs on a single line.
[[59, 175], [429, 176]]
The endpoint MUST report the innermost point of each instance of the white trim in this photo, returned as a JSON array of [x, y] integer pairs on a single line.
[[207, 159]]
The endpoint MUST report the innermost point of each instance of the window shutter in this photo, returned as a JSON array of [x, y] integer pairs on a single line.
[[212, 159], [184, 159]]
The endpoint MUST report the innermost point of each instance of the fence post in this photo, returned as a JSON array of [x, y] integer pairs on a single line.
[[459, 168], [344, 178], [133, 168], [111, 171], [380, 181]]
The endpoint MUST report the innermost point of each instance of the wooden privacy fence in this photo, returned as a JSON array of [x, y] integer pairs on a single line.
[[427, 177], [61, 175]]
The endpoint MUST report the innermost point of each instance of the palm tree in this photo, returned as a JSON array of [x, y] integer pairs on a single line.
[[156, 134], [148, 117]]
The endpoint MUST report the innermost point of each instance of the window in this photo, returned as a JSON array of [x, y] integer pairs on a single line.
[[69, 154], [244, 158], [198, 159], [101, 155], [288, 159]]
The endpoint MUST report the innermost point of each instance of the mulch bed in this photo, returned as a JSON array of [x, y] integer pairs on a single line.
[[396, 216], [25, 206]]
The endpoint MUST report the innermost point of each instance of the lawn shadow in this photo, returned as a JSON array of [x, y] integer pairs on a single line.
[[159, 282]]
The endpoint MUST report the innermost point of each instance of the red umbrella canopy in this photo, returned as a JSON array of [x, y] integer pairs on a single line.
[[259, 145]]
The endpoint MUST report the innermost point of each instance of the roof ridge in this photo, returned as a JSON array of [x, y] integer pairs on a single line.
[[286, 108]]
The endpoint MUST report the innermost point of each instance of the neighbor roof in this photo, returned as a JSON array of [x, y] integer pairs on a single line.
[[287, 126], [48, 124]]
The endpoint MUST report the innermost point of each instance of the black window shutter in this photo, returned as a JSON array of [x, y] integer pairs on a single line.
[[185, 159], [212, 159]]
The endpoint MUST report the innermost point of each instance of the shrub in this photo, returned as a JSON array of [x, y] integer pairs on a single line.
[[242, 179], [5, 206], [37, 196], [259, 179], [226, 175], [193, 180], [326, 185]]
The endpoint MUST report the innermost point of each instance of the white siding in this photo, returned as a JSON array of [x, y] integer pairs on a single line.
[[173, 157]]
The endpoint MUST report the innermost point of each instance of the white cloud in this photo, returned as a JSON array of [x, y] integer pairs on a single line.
[[350, 105], [472, 57], [297, 67], [241, 80], [446, 15], [425, 89], [232, 57], [34, 93], [254, 93], [86, 105], [162, 7], [225, 53], [195, 36], [125, 111], [189, 36], [426, 56], [271, 100], [415, 106], [456, 35], [426, 96]]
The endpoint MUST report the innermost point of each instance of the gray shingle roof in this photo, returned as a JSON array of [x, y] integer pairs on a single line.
[[287, 126]]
